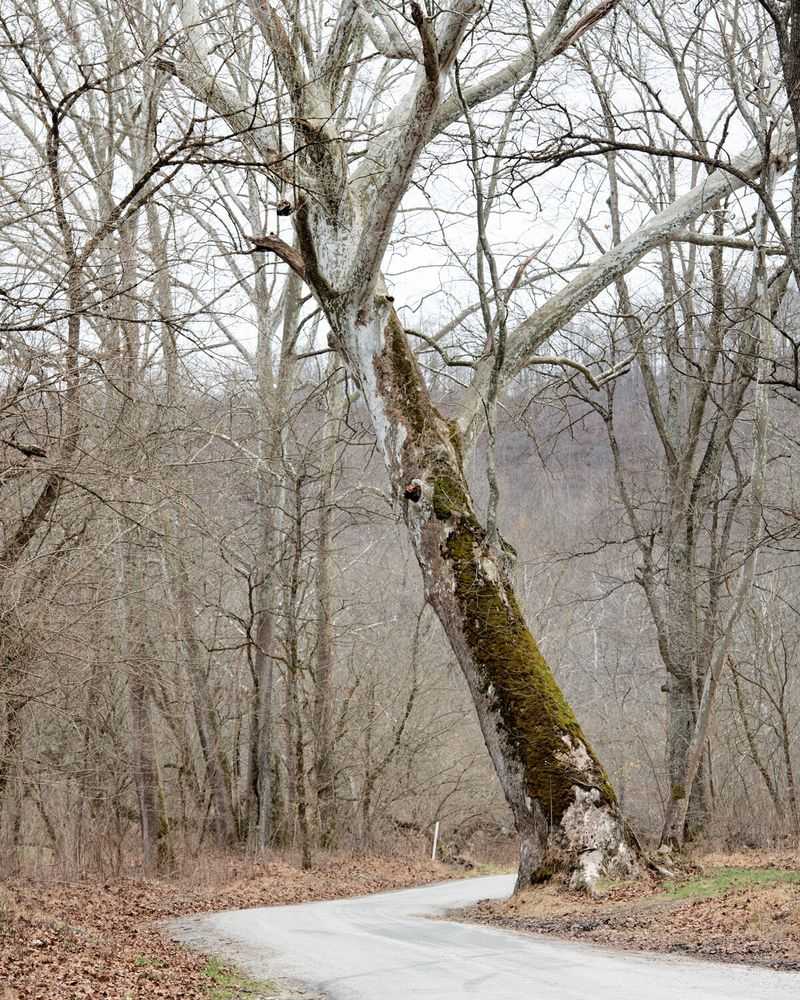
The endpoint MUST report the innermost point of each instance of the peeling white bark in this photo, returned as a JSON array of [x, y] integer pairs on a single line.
[[596, 839]]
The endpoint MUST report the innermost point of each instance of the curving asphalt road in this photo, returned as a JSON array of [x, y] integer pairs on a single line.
[[381, 948]]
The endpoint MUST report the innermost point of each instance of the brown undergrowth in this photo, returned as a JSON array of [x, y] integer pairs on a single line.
[[98, 939], [738, 908]]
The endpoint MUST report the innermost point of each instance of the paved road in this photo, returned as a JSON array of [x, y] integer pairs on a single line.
[[381, 948]]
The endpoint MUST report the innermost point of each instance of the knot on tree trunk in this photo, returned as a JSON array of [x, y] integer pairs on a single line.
[[413, 491]]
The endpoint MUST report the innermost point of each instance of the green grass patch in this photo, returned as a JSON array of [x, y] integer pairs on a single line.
[[227, 984], [720, 880]]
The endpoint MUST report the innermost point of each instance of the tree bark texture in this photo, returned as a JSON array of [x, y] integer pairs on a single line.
[[564, 808]]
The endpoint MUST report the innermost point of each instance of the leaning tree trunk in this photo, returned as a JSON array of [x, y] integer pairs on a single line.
[[564, 808]]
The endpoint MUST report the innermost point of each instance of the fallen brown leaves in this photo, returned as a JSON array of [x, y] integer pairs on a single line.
[[759, 924], [97, 939]]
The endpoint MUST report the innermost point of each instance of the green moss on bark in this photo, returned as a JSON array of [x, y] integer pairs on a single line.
[[448, 496], [538, 723], [533, 710], [405, 386]]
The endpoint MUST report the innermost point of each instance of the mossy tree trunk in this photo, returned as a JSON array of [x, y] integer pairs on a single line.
[[565, 811]]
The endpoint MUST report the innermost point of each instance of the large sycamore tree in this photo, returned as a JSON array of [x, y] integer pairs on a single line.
[[341, 173]]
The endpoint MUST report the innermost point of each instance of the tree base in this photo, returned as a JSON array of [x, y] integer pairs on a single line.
[[591, 841]]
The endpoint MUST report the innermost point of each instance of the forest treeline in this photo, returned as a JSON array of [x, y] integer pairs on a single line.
[[581, 367]]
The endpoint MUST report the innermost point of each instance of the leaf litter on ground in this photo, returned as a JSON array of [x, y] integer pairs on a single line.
[[99, 939], [738, 908]]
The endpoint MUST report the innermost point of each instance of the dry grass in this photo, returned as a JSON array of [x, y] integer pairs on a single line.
[[743, 908]]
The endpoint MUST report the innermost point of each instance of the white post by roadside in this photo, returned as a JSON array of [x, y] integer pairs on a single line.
[[435, 840]]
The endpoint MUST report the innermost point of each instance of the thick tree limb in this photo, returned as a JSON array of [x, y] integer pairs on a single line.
[[430, 54], [335, 55], [397, 150], [583, 25], [28, 450], [247, 123], [565, 304], [281, 47], [385, 36], [595, 381], [274, 244]]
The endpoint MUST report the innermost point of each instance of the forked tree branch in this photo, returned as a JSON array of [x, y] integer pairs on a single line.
[[430, 54], [405, 134]]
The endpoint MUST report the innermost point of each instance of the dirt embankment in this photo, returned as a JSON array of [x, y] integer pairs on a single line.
[[98, 940], [737, 908]]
